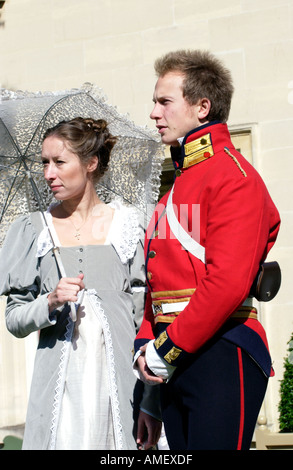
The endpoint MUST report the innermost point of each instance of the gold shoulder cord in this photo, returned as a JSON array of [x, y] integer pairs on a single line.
[[235, 161]]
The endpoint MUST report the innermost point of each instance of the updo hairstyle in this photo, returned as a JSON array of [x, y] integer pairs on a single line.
[[86, 138]]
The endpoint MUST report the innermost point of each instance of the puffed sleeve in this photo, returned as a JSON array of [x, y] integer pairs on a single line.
[[26, 309]]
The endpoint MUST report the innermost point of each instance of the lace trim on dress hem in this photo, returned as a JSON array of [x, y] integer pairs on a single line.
[[111, 368], [59, 390], [61, 382]]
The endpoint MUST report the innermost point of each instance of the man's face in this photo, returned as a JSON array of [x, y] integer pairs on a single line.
[[174, 116]]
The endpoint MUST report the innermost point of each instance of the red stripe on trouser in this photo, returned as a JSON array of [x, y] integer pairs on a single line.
[[241, 388]]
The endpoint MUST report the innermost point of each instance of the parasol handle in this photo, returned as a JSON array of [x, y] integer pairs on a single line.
[[59, 262], [73, 306]]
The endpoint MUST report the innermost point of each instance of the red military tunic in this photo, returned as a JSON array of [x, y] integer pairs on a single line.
[[238, 225]]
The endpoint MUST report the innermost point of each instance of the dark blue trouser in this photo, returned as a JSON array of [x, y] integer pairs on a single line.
[[212, 403]]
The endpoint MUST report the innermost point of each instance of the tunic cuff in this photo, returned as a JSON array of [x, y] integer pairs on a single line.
[[156, 364], [168, 351]]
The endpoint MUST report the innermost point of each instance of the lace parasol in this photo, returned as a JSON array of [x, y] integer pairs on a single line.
[[135, 165]]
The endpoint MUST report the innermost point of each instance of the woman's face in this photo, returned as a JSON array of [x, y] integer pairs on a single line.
[[66, 176]]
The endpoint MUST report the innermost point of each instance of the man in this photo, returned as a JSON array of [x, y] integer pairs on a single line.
[[200, 337]]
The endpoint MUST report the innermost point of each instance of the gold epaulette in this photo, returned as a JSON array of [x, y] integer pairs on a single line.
[[198, 150]]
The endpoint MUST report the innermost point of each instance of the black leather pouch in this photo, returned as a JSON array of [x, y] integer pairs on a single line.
[[267, 282]]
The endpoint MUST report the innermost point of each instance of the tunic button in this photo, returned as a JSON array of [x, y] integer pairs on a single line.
[[152, 254], [149, 275], [178, 172], [203, 141]]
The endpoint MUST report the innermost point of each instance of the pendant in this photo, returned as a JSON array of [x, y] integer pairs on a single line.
[[77, 235]]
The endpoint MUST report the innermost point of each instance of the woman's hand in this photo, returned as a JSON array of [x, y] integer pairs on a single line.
[[66, 291], [148, 431]]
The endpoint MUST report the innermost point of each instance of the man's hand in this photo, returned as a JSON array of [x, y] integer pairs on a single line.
[[148, 431], [146, 374]]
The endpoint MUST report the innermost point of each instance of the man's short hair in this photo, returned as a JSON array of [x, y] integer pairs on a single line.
[[204, 77]]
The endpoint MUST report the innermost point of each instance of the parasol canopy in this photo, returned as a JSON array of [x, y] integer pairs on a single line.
[[135, 164]]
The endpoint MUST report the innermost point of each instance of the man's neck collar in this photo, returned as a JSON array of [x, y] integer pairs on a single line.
[[203, 149]]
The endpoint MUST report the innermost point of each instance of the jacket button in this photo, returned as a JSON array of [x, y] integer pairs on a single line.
[[149, 275], [152, 254]]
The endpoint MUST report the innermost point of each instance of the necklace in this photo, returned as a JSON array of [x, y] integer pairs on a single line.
[[77, 230]]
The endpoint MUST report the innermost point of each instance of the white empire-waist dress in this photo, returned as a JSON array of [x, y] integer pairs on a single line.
[[82, 387]]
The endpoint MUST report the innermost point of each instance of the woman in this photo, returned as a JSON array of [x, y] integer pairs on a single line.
[[81, 301]]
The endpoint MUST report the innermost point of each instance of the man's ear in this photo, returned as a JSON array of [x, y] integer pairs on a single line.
[[204, 108]]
